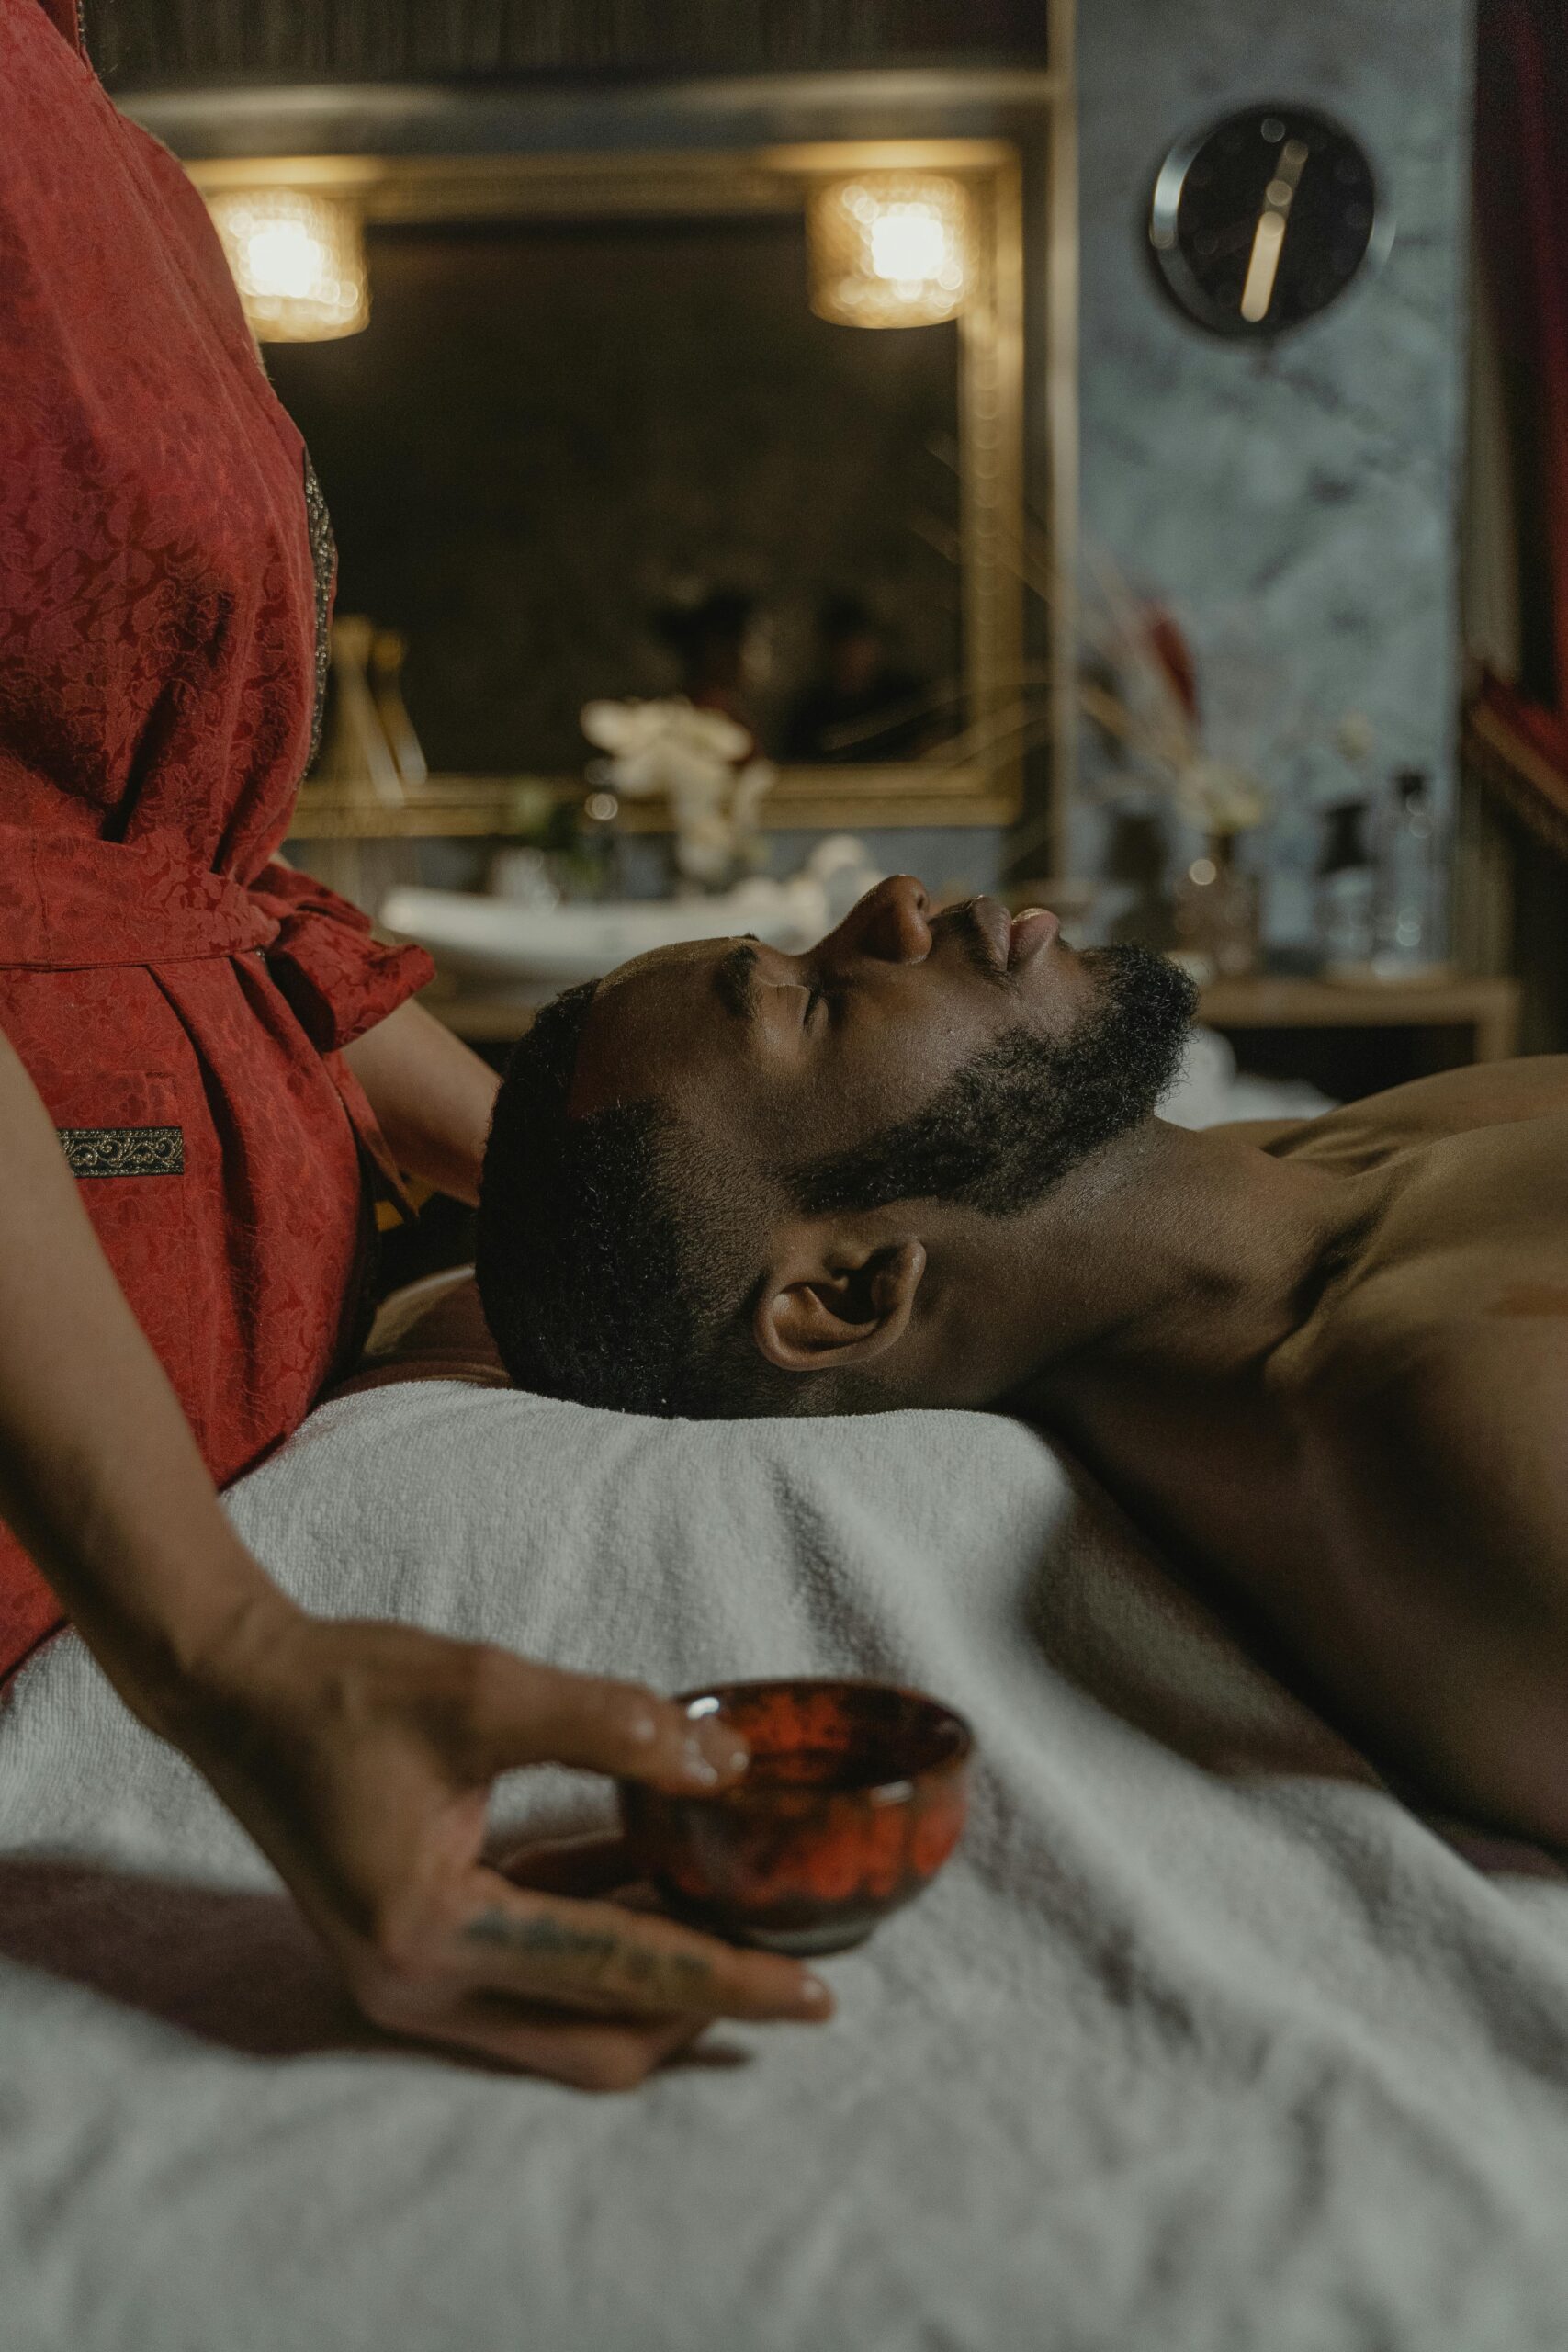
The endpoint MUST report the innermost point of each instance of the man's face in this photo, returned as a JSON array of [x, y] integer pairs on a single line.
[[779, 1061]]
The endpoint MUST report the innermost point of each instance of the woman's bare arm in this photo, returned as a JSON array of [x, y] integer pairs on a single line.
[[359, 1756], [99, 1473], [432, 1096]]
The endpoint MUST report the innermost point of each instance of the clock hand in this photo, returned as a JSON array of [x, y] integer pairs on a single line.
[[1269, 234]]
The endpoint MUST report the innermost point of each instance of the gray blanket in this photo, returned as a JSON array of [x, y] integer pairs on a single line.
[[1203, 2042]]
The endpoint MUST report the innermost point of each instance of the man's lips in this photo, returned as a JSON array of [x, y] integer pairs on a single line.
[[1007, 942], [990, 920], [1028, 933]]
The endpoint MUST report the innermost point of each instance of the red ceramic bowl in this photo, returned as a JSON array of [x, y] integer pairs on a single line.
[[854, 1797]]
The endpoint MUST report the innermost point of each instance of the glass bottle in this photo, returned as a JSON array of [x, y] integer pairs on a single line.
[[1347, 887], [1216, 907], [1408, 916]]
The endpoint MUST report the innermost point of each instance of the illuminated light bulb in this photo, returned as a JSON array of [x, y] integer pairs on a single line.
[[909, 244], [286, 259], [297, 261], [889, 249]]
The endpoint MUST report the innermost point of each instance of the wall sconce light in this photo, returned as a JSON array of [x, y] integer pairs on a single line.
[[299, 261], [888, 249]]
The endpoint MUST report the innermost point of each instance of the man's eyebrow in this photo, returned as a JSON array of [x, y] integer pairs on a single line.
[[735, 981]]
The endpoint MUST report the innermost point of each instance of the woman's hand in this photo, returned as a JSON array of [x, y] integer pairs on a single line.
[[360, 1757]]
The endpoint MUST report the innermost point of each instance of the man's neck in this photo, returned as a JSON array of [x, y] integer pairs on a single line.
[[1176, 1253]]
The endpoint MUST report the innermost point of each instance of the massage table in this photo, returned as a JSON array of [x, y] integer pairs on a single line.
[[1204, 2042]]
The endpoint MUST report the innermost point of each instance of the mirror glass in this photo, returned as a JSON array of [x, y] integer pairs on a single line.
[[606, 457]]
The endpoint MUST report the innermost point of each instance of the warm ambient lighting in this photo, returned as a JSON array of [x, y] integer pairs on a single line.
[[888, 249], [299, 261]]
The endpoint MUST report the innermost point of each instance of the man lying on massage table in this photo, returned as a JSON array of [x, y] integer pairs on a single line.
[[1323, 1363]]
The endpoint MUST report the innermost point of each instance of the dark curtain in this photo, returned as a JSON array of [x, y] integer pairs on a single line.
[[1521, 188]]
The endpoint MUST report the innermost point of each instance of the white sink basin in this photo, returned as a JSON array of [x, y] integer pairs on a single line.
[[533, 951]]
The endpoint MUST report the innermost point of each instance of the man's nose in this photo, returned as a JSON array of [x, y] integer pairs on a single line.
[[889, 922]]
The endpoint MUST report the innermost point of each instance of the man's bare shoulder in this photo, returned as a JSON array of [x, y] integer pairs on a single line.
[[1430, 1404], [1459, 1270], [1461, 1319], [1443, 1348], [1431, 1442], [1425, 1396], [1454, 1101]]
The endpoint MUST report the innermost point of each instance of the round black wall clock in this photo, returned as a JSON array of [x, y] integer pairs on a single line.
[[1259, 222]]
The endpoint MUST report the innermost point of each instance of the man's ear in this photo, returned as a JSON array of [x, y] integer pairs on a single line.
[[836, 1301]]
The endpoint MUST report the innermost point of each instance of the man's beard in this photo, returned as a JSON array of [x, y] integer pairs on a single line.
[[1019, 1115]]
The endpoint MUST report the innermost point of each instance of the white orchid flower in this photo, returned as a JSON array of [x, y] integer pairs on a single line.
[[624, 728], [753, 786], [693, 757]]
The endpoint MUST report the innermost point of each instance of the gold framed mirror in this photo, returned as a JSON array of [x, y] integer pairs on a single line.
[[972, 776]]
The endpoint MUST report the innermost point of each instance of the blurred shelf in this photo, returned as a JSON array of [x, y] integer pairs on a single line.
[[835, 799], [1488, 1008], [444, 807]]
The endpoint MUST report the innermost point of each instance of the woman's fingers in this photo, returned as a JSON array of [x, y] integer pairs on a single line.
[[586, 2054], [586, 1992], [596, 1956], [519, 1713]]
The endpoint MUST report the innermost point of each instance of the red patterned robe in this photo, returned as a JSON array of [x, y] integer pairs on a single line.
[[166, 573]]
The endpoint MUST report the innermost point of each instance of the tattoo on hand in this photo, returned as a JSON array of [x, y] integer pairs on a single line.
[[592, 1955]]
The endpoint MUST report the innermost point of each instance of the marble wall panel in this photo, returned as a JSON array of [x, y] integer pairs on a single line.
[[1294, 506]]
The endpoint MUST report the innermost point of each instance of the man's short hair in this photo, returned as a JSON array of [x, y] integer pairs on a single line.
[[582, 1271], [616, 1255]]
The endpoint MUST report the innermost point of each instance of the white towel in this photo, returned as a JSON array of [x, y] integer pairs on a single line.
[[1201, 2044]]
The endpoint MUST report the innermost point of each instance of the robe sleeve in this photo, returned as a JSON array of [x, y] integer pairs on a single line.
[[338, 979]]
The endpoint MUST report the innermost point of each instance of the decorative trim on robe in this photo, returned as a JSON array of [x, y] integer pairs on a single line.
[[123, 1151]]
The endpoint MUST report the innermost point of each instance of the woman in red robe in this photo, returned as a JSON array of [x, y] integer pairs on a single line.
[[206, 1040]]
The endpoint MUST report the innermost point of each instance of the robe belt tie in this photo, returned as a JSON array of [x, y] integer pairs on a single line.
[[70, 903]]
